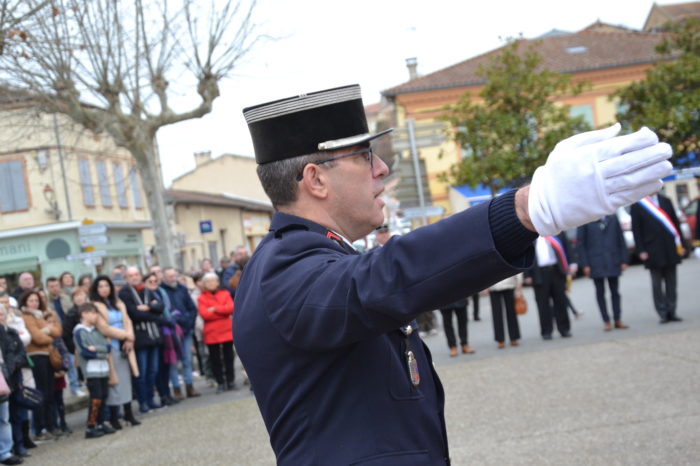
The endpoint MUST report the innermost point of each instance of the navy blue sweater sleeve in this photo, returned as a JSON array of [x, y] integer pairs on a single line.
[[512, 239]]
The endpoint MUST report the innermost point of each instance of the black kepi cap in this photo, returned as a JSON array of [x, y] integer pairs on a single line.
[[308, 123]]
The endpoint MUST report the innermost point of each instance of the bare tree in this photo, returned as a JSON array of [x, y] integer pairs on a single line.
[[13, 13], [122, 67]]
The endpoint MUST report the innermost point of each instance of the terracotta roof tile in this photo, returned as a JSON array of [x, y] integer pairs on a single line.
[[680, 11], [592, 48]]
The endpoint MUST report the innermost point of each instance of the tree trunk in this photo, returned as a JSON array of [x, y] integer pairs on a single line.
[[153, 187]]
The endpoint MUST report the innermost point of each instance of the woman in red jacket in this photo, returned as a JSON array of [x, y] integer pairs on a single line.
[[216, 308]]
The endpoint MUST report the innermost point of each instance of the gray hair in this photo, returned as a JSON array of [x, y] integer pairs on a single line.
[[210, 275], [279, 178]]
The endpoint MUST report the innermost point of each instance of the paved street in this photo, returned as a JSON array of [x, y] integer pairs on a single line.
[[623, 397]]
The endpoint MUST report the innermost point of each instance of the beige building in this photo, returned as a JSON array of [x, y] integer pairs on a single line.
[[212, 225], [53, 176], [228, 173]]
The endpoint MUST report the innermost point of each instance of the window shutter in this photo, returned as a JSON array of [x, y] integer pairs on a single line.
[[105, 195], [135, 188], [13, 194], [86, 184], [19, 192], [121, 188]]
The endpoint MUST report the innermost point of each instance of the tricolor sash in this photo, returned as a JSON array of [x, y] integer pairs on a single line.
[[559, 251], [659, 214]]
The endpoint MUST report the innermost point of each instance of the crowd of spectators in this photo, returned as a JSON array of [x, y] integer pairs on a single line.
[[126, 335]]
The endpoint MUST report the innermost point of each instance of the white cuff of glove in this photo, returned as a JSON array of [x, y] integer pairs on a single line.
[[592, 174]]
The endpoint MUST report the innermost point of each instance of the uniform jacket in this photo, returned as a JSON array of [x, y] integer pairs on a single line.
[[41, 339], [182, 308], [318, 331], [601, 246], [217, 324], [146, 323], [652, 237], [536, 272]]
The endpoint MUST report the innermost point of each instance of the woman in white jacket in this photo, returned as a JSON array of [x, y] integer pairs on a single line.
[[502, 296]]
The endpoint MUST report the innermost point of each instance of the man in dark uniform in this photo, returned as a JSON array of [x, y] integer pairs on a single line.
[[327, 335], [548, 278], [659, 245]]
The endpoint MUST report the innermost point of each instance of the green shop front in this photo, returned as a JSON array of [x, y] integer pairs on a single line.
[[49, 250]]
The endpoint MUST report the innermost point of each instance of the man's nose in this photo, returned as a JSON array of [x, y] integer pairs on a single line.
[[381, 169]]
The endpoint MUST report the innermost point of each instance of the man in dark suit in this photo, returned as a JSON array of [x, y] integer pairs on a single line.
[[602, 254], [548, 279], [659, 245], [327, 335]]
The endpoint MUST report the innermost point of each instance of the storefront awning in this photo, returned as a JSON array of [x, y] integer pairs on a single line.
[[26, 264]]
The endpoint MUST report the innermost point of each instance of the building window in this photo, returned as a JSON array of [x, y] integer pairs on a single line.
[[13, 192], [85, 183], [135, 191], [585, 111], [105, 196], [121, 187]]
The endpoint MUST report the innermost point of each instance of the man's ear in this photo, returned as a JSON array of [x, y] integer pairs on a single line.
[[314, 182]]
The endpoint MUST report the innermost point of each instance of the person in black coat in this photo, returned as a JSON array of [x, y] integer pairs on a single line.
[[548, 278], [145, 310], [602, 254], [15, 358], [459, 309], [660, 247]]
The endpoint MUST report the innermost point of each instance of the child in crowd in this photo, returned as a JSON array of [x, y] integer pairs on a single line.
[[93, 349]]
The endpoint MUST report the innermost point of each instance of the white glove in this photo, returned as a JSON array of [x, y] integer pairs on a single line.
[[592, 174]]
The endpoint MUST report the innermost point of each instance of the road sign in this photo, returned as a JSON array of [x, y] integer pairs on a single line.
[[92, 261], [428, 211], [92, 240], [86, 255], [93, 229], [205, 226]]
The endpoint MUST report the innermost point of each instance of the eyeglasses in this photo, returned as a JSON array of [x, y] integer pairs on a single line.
[[369, 157]]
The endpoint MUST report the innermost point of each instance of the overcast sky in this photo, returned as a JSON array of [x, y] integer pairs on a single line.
[[327, 43]]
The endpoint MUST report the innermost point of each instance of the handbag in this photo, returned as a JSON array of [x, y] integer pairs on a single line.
[[28, 397], [113, 379], [55, 358], [520, 305]]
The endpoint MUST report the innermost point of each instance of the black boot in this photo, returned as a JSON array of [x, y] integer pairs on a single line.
[[129, 415], [25, 433], [114, 417]]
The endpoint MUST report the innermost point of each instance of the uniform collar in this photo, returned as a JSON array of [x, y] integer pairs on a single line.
[[282, 223]]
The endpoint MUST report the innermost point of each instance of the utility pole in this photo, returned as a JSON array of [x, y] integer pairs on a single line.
[[63, 168], [416, 169]]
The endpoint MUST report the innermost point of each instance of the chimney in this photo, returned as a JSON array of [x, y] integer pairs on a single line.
[[202, 157], [412, 65]]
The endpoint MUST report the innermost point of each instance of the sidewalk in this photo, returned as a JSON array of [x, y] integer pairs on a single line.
[[631, 402]]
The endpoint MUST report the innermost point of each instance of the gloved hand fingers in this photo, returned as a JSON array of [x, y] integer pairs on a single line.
[[632, 161], [640, 177], [589, 137], [627, 143], [622, 198]]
